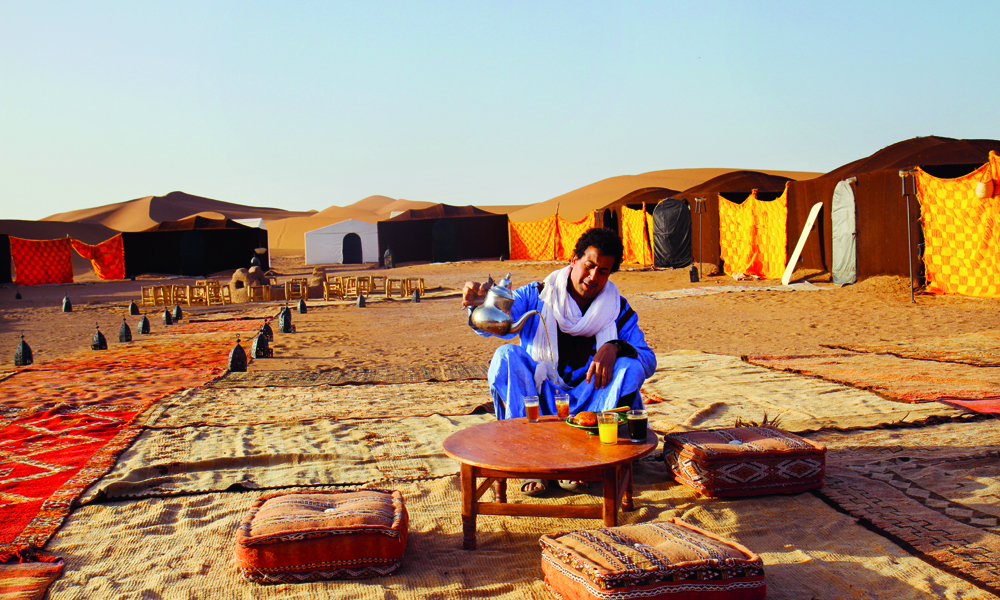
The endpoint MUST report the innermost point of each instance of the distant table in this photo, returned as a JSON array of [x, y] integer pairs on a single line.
[[549, 449]]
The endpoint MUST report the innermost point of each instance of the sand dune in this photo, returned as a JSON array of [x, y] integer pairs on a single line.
[[576, 204], [143, 213]]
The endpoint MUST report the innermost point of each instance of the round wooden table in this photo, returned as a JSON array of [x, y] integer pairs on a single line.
[[548, 449]]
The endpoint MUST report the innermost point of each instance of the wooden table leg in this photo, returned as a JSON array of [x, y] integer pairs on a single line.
[[500, 491], [629, 506], [627, 500], [468, 507], [609, 480]]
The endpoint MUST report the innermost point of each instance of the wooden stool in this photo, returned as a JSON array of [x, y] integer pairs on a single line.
[[297, 288], [146, 297], [391, 284], [197, 294], [333, 288], [258, 293], [181, 294], [378, 283]]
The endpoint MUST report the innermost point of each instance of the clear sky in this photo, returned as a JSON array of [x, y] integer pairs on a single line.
[[304, 105]]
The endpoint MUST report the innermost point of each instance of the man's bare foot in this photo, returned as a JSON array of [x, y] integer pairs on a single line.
[[534, 487]]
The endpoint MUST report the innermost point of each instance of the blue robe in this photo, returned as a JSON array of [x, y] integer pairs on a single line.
[[512, 370]]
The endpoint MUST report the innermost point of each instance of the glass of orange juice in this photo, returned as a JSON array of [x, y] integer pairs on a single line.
[[607, 427]]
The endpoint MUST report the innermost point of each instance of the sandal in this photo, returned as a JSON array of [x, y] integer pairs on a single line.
[[577, 487], [541, 490]]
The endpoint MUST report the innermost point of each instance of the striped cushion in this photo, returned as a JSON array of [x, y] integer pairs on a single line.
[[292, 537], [660, 560]]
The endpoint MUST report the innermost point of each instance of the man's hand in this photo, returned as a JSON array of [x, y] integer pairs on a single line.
[[603, 365], [474, 293]]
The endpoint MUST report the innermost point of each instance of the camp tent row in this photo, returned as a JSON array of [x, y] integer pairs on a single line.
[[196, 247], [748, 221]]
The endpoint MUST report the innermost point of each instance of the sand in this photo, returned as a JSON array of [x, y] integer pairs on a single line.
[[435, 331]]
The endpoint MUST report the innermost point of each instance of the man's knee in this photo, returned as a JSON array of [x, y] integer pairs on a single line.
[[509, 356]]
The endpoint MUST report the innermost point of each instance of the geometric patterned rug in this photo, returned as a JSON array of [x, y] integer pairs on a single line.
[[899, 379], [356, 375], [935, 489], [64, 422], [27, 579], [979, 349], [986, 406]]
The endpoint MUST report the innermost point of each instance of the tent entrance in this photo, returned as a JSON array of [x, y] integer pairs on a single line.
[[672, 234], [352, 249]]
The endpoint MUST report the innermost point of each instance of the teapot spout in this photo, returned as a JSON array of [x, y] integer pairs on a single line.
[[517, 325]]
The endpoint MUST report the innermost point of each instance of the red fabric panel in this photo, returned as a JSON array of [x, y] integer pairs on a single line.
[[42, 261], [108, 257]]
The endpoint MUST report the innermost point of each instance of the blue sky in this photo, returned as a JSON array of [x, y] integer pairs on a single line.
[[305, 105]]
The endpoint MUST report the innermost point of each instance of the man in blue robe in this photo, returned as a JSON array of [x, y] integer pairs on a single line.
[[591, 346]]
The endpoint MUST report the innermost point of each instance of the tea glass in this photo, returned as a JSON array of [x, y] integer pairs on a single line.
[[562, 406], [531, 408]]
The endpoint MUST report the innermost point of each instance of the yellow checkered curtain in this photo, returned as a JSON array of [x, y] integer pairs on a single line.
[[961, 233], [770, 235], [533, 240], [634, 237], [736, 235], [569, 233]]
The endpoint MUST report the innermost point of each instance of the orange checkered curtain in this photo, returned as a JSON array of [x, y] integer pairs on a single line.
[[41, 261], [736, 235], [961, 233], [569, 233], [753, 235], [634, 237], [770, 235], [108, 257], [533, 240]]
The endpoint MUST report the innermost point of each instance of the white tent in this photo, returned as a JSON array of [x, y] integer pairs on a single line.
[[327, 245]]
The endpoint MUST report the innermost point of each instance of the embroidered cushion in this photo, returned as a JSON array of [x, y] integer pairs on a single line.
[[292, 537], [744, 461], [660, 560]]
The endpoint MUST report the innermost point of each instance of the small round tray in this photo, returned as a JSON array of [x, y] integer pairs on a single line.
[[592, 429]]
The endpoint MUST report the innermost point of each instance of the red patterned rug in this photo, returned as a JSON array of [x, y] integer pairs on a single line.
[[986, 406], [62, 424], [234, 326], [27, 577]]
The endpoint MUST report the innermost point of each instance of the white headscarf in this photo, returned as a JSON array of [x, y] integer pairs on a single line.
[[559, 309]]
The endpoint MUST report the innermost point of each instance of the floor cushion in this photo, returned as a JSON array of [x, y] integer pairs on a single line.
[[659, 560], [299, 536], [744, 461]]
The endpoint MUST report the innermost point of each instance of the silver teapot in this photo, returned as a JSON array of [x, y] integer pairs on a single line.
[[493, 316]]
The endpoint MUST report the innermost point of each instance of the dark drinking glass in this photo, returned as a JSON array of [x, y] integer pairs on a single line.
[[638, 421]]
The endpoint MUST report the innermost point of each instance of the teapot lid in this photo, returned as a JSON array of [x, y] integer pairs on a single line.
[[502, 289]]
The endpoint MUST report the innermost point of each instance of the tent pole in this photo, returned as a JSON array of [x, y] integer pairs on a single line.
[[909, 242], [700, 205]]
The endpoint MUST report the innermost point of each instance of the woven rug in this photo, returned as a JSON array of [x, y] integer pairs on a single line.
[[899, 379], [987, 406], [233, 325], [725, 289], [980, 349], [183, 548], [208, 459], [163, 352], [228, 407], [709, 390], [361, 375], [28, 579], [64, 422], [936, 489]]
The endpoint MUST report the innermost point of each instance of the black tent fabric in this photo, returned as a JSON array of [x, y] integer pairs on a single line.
[[444, 233], [194, 247], [672, 234], [5, 259]]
